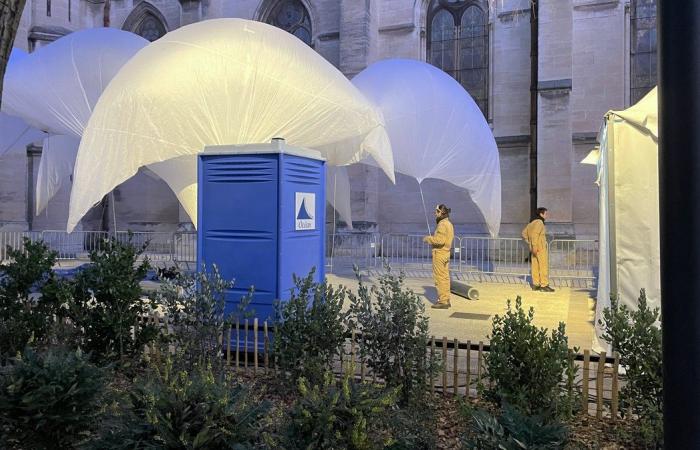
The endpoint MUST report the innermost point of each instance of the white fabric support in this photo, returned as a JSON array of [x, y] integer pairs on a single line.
[[338, 192], [436, 130], [55, 168], [220, 82]]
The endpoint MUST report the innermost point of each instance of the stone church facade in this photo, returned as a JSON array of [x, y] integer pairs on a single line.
[[591, 56]]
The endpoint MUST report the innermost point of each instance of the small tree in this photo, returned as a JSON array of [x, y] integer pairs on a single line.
[[637, 338], [49, 400], [310, 329], [331, 416], [108, 305], [526, 364], [393, 334], [25, 315], [195, 306]]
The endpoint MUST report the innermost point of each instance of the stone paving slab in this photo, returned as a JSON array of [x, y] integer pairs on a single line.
[[471, 319]]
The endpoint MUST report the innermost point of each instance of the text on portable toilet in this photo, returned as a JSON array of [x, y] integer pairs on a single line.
[[304, 211]]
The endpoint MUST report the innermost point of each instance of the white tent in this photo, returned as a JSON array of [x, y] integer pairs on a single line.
[[220, 82], [56, 88], [629, 208], [436, 130]]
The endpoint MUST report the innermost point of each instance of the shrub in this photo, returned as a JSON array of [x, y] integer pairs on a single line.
[[184, 409], [195, 306], [108, 306], [348, 416], [48, 400], [637, 338], [526, 364], [24, 315], [393, 334], [310, 329], [514, 431]]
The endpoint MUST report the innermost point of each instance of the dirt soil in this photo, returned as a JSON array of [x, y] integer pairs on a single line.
[[586, 432]]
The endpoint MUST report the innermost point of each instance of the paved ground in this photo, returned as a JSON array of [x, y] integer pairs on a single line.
[[471, 320]]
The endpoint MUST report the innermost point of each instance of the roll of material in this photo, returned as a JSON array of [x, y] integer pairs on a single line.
[[464, 290]]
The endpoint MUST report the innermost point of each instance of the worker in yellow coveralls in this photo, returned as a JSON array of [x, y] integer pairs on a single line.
[[535, 236], [441, 242]]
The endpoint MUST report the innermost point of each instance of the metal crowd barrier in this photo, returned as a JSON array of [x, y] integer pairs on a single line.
[[15, 240], [572, 262], [347, 249]]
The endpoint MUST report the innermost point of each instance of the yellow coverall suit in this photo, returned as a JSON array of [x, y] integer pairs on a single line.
[[534, 235], [441, 242]]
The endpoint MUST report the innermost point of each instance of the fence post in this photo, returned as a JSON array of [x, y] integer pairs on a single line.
[[469, 367], [480, 362], [444, 365], [245, 347], [585, 380], [432, 358], [455, 366], [228, 347], [238, 344], [267, 348], [599, 385], [352, 355], [615, 399], [255, 343]]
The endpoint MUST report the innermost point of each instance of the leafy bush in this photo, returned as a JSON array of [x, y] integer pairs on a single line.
[[514, 431], [108, 306], [527, 365], [635, 335], [348, 416], [393, 334], [49, 400], [196, 309], [310, 329], [24, 315], [190, 409]]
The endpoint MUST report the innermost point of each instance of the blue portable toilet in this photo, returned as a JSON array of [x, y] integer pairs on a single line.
[[261, 218]]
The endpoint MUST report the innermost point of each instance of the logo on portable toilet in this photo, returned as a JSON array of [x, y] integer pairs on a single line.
[[304, 211]]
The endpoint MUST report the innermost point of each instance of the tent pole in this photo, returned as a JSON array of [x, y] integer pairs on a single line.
[[612, 227], [114, 213], [425, 211], [679, 197]]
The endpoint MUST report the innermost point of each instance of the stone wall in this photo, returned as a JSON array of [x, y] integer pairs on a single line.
[[583, 54]]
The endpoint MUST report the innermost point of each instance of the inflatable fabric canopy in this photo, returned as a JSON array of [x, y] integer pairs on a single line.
[[56, 88], [220, 82], [436, 130], [629, 209], [15, 132]]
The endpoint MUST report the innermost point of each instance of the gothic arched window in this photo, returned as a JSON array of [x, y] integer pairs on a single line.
[[293, 17], [643, 56], [458, 43], [146, 21], [150, 28]]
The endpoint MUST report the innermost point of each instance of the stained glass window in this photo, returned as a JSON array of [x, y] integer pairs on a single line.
[[150, 28], [459, 44], [292, 16]]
